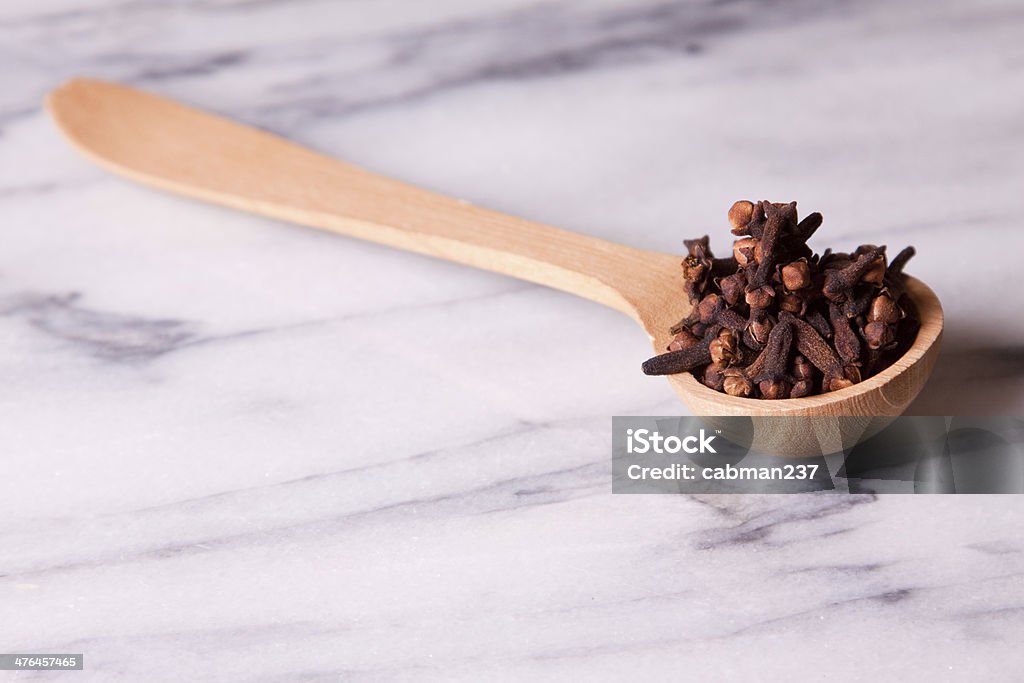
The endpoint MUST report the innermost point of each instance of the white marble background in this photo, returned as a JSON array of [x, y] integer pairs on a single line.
[[237, 450]]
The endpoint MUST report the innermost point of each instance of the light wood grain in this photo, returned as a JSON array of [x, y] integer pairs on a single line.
[[161, 143]]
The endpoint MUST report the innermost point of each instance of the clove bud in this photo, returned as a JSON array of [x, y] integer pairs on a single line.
[[684, 339], [878, 334], [725, 349], [735, 383], [709, 308], [761, 327], [740, 214], [884, 309], [774, 389], [733, 288], [714, 377], [760, 297], [745, 251], [796, 275]]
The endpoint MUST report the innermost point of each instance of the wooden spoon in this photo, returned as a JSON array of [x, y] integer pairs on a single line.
[[174, 147]]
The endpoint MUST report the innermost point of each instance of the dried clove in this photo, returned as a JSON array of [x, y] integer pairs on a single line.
[[714, 377], [771, 377], [845, 339], [808, 226], [760, 327], [725, 348], [878, 335], [746, 251], [674, 362], [735, 383], [778, 321], [740, 214], [733, 288], [796, 275], [820, 324], [683, 360], [819, 353], [884, 309], [840, 282], [683, 339], [803, 377]]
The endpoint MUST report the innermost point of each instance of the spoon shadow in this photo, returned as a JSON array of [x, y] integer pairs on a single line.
[[971, 378]]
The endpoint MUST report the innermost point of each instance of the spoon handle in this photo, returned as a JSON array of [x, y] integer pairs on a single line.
[[165, 144]]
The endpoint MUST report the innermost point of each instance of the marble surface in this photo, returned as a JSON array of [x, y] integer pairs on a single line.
[[234, 449]]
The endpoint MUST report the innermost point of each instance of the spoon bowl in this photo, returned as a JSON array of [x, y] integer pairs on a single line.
[[887, 393], [184, 150]]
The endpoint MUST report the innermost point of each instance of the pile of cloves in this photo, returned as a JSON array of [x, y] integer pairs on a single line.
[[779, 321]]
